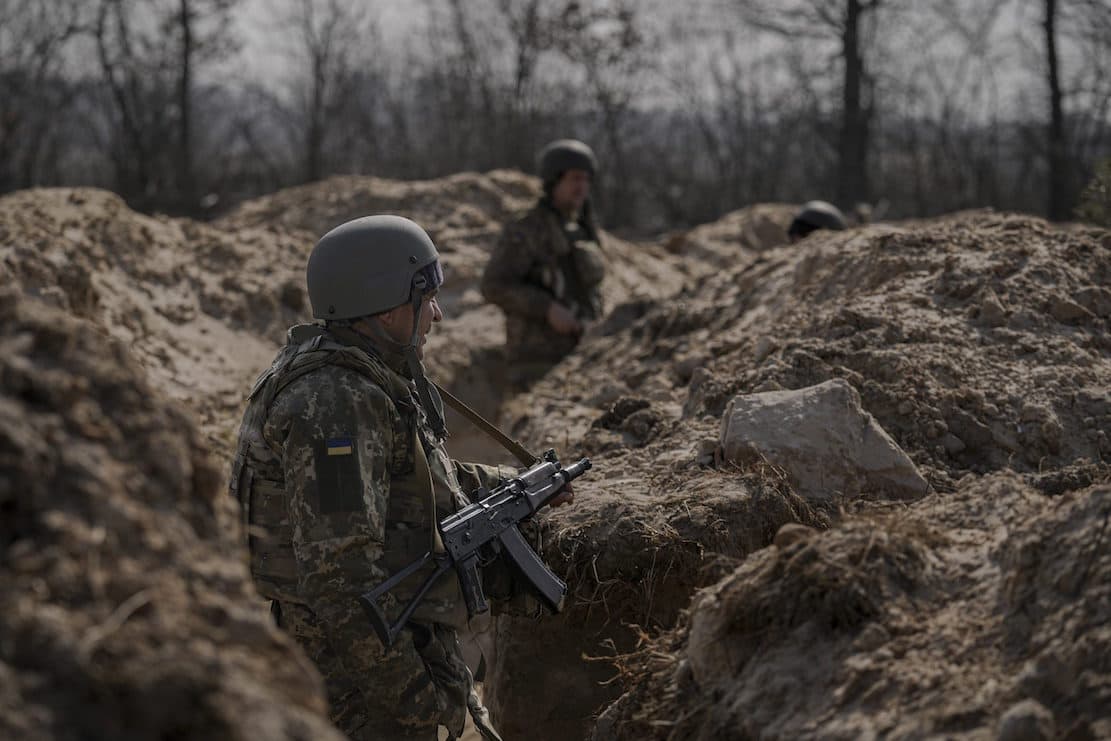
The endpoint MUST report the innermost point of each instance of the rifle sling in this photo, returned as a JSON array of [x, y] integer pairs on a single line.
[[519, 451]]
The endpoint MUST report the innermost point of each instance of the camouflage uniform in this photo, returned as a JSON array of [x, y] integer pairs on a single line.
[[540, 259], [340, 479]]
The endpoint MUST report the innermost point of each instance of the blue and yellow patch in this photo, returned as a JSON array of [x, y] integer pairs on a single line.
[[339, 446]]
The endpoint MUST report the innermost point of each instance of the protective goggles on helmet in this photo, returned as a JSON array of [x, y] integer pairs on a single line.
[[428, 278]]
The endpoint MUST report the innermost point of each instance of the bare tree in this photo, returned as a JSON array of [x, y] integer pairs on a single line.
[[607, 42], [33, 90], [151, 90], [1073, 89], [844, 23], [327, 40], [196, 45], [1058, 146]]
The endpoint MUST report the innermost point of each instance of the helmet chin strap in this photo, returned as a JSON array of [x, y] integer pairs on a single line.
[[416, 368]]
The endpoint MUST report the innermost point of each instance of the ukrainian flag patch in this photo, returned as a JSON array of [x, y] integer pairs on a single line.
[[339, 446]]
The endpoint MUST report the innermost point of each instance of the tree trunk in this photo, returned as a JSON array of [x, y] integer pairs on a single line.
[[852, 181], [187, 182], [1058, 161]]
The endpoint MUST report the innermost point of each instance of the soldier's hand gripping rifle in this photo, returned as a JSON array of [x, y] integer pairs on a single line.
[[489, 524]]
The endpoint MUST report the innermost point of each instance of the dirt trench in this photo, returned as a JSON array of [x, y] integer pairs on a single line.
[[979, 342]]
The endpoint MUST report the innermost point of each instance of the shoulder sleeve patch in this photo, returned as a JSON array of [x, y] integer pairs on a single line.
[[338, 476]]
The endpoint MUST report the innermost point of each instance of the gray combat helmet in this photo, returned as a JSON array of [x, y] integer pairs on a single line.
[[563, 155], [370, 265], [816, 215]]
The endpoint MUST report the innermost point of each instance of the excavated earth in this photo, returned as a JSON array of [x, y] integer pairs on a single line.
[[979, 342]]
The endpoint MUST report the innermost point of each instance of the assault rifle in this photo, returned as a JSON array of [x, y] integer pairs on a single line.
[[488, 525]]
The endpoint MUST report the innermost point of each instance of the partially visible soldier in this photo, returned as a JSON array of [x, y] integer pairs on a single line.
[[547, 269], [341, 474], [815, 215]]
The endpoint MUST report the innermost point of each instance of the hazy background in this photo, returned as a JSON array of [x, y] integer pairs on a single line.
[[694, 108]]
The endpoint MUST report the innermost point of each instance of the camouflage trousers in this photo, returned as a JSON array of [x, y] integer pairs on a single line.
[[350, 699]]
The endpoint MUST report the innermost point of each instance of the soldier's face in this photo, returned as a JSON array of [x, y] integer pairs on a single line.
[[398, 322], [572, 190]]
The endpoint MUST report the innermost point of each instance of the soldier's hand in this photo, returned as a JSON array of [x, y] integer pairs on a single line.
[[566, 496], [562, 320]]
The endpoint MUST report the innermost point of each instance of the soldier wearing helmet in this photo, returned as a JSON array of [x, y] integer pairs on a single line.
[[341, 474], [815, 215], [546, 271]]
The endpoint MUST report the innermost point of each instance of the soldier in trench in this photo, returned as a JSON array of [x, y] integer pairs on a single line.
[[547, 269], [341, 473]]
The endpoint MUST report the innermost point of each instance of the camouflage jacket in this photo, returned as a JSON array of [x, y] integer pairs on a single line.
[[340, 478], [538, 260]]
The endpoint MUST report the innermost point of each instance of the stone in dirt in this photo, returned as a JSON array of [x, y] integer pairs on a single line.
[[822, 438]]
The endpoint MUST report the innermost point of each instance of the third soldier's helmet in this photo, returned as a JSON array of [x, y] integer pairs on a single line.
[[563, 155], [370, 265], [816, 215]]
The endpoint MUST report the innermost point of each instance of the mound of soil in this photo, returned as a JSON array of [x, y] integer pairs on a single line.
[[128, 610], [979, 342], [906, 315], [978, 612], [200, 308], [717, 244]]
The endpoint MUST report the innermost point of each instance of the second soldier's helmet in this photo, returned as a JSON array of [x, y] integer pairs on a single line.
[[370, 265], [563, 155], [816, 215]]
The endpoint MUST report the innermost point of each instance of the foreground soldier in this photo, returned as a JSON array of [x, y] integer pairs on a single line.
[[546, 271], [341, 474]]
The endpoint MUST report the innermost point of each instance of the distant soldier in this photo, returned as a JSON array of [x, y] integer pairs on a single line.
[[341, 473], [546, 271], [815, 215]]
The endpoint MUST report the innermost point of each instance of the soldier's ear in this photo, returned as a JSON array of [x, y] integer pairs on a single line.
[[392, 318]]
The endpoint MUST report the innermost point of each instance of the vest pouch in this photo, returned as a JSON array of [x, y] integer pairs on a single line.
[[239, 483], [589, 263], [273, 565]]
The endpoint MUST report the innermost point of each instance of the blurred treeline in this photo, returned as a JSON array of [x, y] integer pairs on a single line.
[[915, 107]]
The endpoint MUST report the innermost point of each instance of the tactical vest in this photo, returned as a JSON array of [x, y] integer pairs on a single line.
[[423, 483]]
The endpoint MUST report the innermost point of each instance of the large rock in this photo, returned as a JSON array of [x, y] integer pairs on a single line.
[[822, 438]]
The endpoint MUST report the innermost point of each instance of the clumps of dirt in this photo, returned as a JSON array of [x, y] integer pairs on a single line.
[[753, 228], [1056, 598], [964, 613], [630, 541], [201, 309], [448, 207], [632, 550], [896, 312], [878, 307], [634, 418], [128, 610], [839, 583]]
